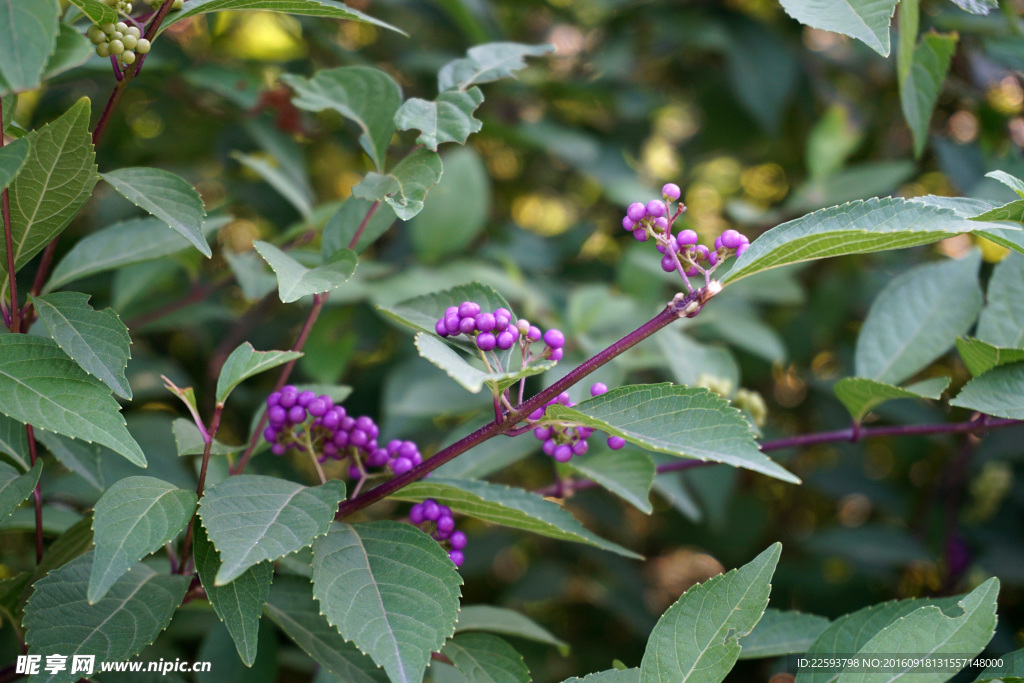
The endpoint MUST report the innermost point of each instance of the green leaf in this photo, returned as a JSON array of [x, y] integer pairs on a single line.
[[14, 440], [697, 639], [135, 517], [483, 658], [855, 182], [295, 281], [507, 506], [16, 487], [78, 456], [41, 386], [297, 196], [390, 589], [861, 396], [366, 95], [609, 676], [980, 357], [189, 440], [28, 33], [12, 157], [470, 377], [252, 518], [1014, 211], [919, 90], [133, 613], [405, 187], [854, 228], [680, 421], [449, 118], [998, 392], [485, 459], [627, 475], [831, 142], [865, 20], [56, 181], [917, 318], [782, 633], [1012, 666], [166, 196], [72, 50], [97, 340], [928, 632], [293, 609], [343, 225], [458, 208], [1011, 181], [977, 6], [330, 9], [486, 63], [122, 244], [245, 362], [97, 11], [1002, 320], [506, 622], [239, 603]]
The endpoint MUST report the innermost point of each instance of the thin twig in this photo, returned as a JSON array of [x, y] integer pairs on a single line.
[[37, 496], [208, 436]]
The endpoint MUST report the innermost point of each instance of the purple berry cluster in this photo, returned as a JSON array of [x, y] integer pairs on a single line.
[[563, 441], [333, 433], [497, 330], [680, 252], [431, 513]]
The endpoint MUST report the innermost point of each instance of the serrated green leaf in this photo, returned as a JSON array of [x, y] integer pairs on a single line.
[[389, 588], [28, 33], [252, 275], [1001, 233], [782, 633], [14, 441], [469, 377], [98, 12], [330, 9], [928, 632], [366, 95], [15, 487], [866, 20], [1014, 211], [135, 517], [405, 186], [1002, 320], [855, 228], [697, 639], [483, 658], [449, 118], [252, 518], [458, 207], [13, 156], [857, 181], [297, 196], [134, 612], [72, 50], [1011, 181], [41, 386], [78, 456], [680, 421], [980, 357], [72, 542], [166, 196], [486, 63], [861, 396], [295, 281], [122, 244], [506, 622], [507, 506], [343, 225], [54, 183], [189, 440], [239, 603], [919, 90], [1012, 666], [245, 362], [917, 317], [998, 392], [609, 676], [97, 340], [627, 475], [977, 6], [293, 609]]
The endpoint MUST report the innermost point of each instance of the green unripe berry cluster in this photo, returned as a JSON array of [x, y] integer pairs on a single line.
[[121, 40], [122, 6]]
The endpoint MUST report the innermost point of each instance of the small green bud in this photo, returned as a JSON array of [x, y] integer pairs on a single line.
[[134, 31], [121, 26], [103, 49], [108, 28], [143, 46], [130, 41], [128, 57]]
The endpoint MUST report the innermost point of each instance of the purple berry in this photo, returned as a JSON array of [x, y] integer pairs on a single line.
[[305, 398], [401, 465], [668, 264], [656, 208], [580, 447], [636, 212], [330, 449], [407, 449], [451, 310], [742, 248], [416, 458], [416, 513], [713, 258], [556, 354], [445, 525], [317, 408], [640, 235], [702, 252], [501, 322], [288, 398], [457, 540], [365, 423], [486, 341], [377, 458], [563, 398], [273, 399], [616, 442], [393, 446], [584, 432], [468, 309], [661, 224], [731, 239], [598, 388], [456, 557], [503, 311], [549, 447], [278, 449], [718, 242], [692, 271], [347, 423], [506, 340], [353, 472], [297, 414], [440, 329], [628, 223], [431, 510], [451, 323], [340, 439], [533, 334], [554, 338], [687, 238], [445, 511], [277, 415], [537, 414], [523, 325], [467, 326], [485, 322], [270, 434], [357, 438], [541, 433], [671, 192], [562, 453]]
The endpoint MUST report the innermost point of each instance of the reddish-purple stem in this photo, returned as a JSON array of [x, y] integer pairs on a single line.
[[37, 496]]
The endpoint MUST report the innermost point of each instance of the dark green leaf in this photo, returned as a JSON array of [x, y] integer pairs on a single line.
[[72, 50], [12, 157], [78, 456], [919, 90], [28, 33], [16, 487], [782, 633], [298, 196], [14, 440], [331, 9], [449, 118], [457, 209], [190, 441], [483, 658], [245, 362], [341, 229], [506, 622], [97, 11], [861, 396], [627, 475], [405, 186], [998, 392], [980, 357], [295, 281], [1002, 320]]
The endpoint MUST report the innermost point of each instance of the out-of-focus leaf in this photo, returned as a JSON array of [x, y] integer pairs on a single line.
[[782, 633], [405, 186], [861, 395], [457, 208], [295, 281], [488, 62], [449, 118], [28, 34], [865, 20], [919, 90]]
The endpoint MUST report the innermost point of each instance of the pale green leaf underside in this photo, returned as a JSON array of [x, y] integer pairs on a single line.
[[245, 362], [1011, 667], [238, 604], [390, 589], [1002, 320], [97, 340], [296, 195], [330, 9], [980, 357], [468, 376], [72, 50], [697, 638], [13, 156], [405, 187], [782, 633], [998, 392], [449, 118], [60, 620], [15, 487], [1011, 181], [919, 91], [680, 421], [135, 517], [977, 6], [609, 676], [865, 20], [293, 609], [507, 506], [253, 518], [861, 396], [1003, 233], [41, 386], [486, 63], [28, 32], [506, 622], [295, 281], [190, 442], [627, 475], [483, 658], [166, 196], [97, 11]]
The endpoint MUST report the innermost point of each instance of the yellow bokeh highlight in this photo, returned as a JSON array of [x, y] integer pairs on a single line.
[[765, 183], [542, 214], [266, 36], [1007, 97]]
